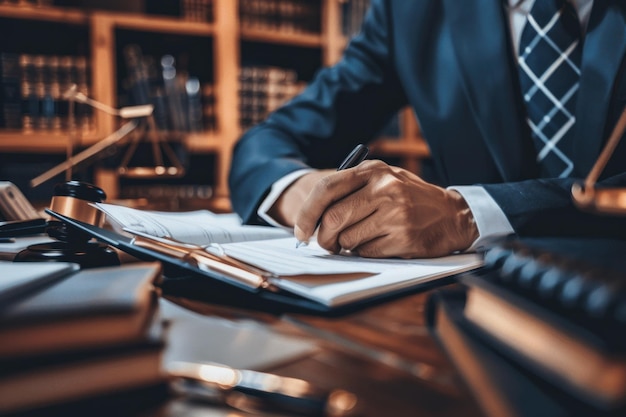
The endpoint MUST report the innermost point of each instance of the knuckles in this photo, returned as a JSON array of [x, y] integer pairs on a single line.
[[332, 218], [323, 185]]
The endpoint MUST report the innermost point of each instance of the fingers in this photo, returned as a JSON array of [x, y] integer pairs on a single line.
[[379, 211], [326, 192], [348, 222]]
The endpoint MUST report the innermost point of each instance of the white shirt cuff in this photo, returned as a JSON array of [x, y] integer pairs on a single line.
[[277, 189], [490, 219]]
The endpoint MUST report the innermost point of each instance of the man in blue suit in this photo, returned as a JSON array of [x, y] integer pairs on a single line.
[[505, 148]]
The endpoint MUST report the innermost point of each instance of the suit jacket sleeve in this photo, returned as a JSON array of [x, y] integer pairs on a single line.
[[351, 101], [344, 105], [544, 207]]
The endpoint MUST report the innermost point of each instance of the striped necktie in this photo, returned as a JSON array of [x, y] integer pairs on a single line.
[[549, 66]]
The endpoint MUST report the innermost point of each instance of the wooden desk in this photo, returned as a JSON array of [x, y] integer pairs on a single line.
[[384, 355]]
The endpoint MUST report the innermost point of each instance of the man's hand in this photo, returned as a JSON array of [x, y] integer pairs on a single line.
[[286, 208], [381, 211]]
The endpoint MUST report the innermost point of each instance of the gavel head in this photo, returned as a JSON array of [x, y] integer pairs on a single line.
[[73, 199]]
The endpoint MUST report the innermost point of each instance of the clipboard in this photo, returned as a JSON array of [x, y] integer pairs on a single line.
[[182, 277]]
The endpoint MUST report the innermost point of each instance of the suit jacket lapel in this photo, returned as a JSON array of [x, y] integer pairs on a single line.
[[603, 52], [480, 34]]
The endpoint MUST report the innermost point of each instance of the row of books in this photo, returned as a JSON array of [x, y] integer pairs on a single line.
[[197, 10], [34, 93], [352, 14], [70, 335], [282, 15], [262, 89], [192, 10], [168, 197], [300, 16], [181, 102]]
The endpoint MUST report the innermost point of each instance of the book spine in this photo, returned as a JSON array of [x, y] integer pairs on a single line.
[[66, 81], [84, 112], [30, 104], [208, 108], [262, 90], [197, 10], [42, 104], [285, 16], [585, 297], [10, 91]]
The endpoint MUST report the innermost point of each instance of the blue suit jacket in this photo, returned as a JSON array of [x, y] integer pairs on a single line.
[[452, 61]]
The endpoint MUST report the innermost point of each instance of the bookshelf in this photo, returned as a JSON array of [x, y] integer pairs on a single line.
[[215, 51]]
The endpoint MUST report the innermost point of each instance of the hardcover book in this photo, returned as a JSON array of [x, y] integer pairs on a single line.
[[557, 307], [502, 387], [46, 380], [21, 279], [93, 307]]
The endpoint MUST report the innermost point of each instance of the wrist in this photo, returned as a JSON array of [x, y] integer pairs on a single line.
[[466, 226]]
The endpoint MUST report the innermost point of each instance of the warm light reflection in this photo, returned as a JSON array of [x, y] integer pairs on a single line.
[[267, 382], [607, 200], [340, 402], [217, 374], [602, 200]]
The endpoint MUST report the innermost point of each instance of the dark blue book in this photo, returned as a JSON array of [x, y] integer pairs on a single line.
[[21, 279], [502, 387], [557, 306], [86, 308]]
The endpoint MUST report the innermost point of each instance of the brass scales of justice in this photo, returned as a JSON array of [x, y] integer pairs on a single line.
[[133, 129]]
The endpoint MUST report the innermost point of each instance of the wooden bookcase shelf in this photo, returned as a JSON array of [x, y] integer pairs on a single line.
[[294, 39], [49, 14], [156, 24], [228, 43]]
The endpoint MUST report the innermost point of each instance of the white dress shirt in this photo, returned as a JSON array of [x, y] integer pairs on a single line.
[[490, 220]]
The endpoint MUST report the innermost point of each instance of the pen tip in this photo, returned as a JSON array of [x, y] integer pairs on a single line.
[[299, 243]]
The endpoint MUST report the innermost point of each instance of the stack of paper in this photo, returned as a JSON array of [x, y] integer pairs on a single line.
[[309, 273]]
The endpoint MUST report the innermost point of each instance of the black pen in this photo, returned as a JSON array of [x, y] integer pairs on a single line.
[[354, 158]]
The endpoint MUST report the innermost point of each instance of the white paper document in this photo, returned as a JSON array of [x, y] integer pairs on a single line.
[[199, 227], [333, 280], [309, 271]]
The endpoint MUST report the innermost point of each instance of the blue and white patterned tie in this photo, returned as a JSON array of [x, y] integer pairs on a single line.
[[549, 62]]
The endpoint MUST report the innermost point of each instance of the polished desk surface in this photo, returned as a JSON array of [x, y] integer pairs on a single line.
[[384, 354]]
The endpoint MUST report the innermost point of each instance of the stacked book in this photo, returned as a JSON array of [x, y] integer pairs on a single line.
[[33, 93], [288, 16], [541, 331], [71, 336], [262, 90]]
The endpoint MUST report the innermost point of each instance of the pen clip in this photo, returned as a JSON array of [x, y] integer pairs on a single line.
[[200, 258]]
